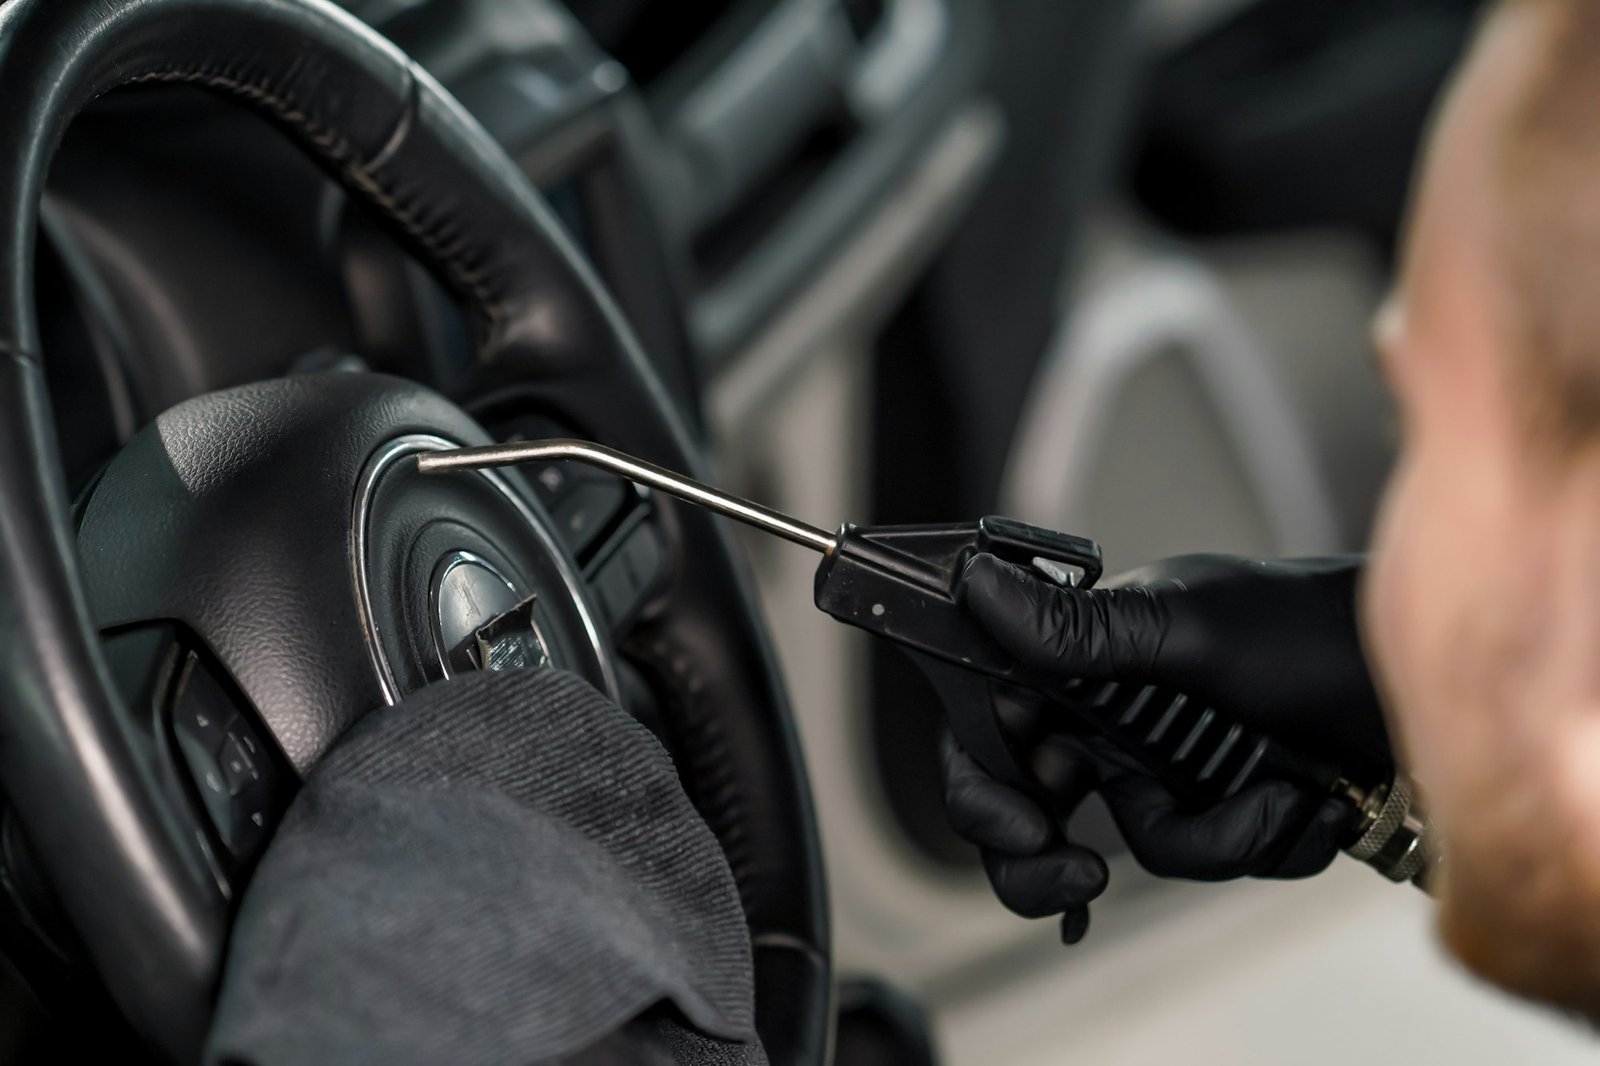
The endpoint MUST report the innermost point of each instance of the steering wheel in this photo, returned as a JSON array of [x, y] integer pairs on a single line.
[[278, 529]]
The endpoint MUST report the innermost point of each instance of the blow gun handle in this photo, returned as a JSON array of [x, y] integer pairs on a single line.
[[902, 583]]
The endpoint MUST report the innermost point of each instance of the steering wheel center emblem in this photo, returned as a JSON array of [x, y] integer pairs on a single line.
[[480, 621]]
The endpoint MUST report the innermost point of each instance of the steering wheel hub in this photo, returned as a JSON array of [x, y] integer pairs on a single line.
[[437, 560], [285, 525]]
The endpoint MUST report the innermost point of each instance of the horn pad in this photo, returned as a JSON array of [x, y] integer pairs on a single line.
[[285, 525]]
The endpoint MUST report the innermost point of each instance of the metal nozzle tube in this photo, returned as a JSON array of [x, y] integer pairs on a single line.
[[673, 484]]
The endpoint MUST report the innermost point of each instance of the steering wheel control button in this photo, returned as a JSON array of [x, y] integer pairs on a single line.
[[200, 730], [201, 718], [551, 482], [585, 502], [632, 574], [247, 824], [238, 768], [231, 770], [588, 510]]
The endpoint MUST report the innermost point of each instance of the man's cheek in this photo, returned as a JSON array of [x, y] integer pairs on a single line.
[[1384, 589], [1408, 590], [1433, 606]]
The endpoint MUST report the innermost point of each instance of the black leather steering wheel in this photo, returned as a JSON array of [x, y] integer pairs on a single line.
[[76, 763]]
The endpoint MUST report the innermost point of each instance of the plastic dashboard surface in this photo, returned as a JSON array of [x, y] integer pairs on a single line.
[[739, 142]]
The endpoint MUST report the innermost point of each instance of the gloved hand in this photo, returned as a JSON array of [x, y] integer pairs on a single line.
[[1032, 867], [1272, 646]]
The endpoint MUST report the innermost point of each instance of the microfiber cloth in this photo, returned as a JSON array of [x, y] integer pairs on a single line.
[[502, 869]]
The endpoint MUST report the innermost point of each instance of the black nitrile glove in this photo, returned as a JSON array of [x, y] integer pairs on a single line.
[[1032, 868], [1272, 646]]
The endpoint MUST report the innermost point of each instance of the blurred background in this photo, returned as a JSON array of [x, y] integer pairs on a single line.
[[1107, 266], [1103, 265]]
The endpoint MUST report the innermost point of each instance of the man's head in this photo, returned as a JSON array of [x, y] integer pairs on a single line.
[[1483, 600]]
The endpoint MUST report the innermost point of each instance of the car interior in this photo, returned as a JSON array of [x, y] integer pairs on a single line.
[[1102, 266]]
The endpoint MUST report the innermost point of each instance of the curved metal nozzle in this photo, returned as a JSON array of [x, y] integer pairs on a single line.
[[637, 470]]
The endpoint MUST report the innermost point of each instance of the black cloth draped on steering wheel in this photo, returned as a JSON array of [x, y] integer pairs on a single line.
[[503, 868]]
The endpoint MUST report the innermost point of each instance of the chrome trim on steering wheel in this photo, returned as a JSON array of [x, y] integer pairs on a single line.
[[385, 458]]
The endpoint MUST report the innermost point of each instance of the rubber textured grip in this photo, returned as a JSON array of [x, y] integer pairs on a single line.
[[1200, 755]]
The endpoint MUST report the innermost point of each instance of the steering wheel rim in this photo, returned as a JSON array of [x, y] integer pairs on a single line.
[[71, 764]]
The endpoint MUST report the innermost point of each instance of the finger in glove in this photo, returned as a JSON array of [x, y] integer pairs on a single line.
[[994, 816], [1065, 878], [1067, 772], [1074, 925], [1068, 632], [1319, 844], [1246, 835]]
